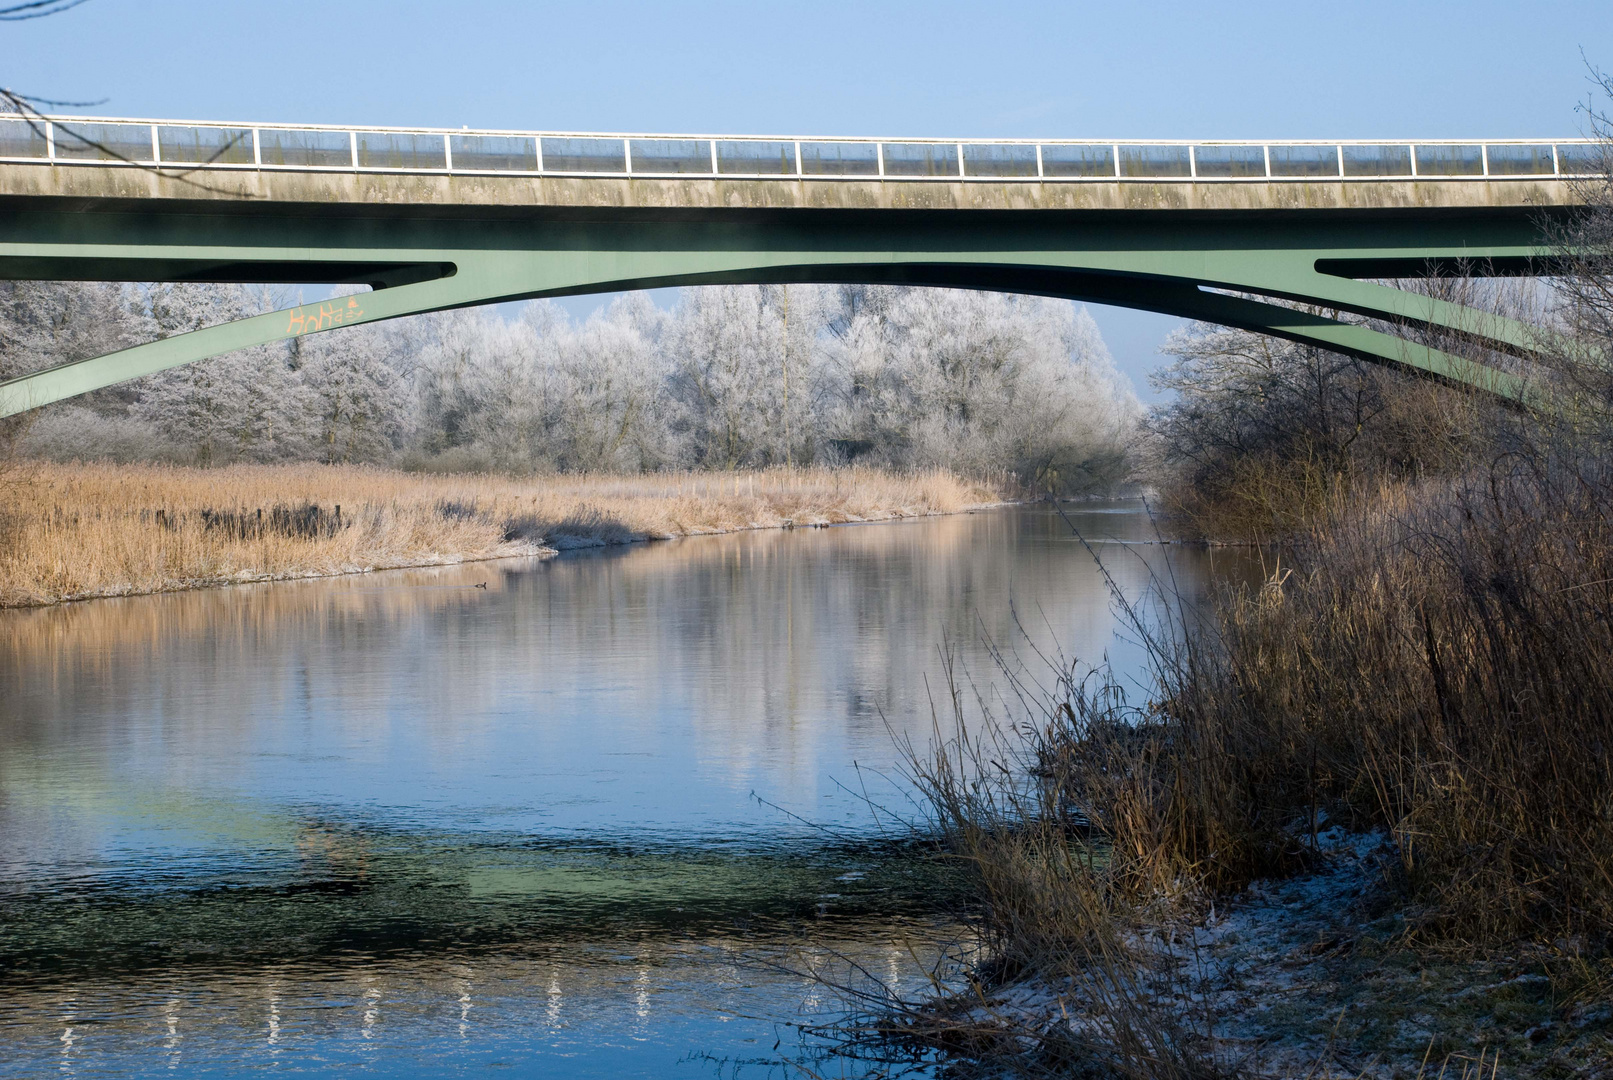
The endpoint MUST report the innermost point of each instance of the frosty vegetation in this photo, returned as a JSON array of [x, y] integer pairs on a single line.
[[732, 377]]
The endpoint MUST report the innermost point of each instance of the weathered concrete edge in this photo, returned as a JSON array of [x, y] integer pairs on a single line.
[[96, 183]]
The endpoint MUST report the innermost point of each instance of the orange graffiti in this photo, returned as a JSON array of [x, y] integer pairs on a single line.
[[314, 317]]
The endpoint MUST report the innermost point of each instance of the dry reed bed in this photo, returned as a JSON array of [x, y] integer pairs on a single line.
[[78, 531], [1435, 675], [1438, 669]]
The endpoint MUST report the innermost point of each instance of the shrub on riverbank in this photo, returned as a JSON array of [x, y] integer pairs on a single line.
[[1434, 671], [1263, 438], [1442, 672], [1434, 679], [1438, 670], [1436, 667], [74, 531]]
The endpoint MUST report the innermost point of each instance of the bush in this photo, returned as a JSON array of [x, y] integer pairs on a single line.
[[1439, 670], [1263, 436]]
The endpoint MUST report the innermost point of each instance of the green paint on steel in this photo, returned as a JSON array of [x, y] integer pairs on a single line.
[[422, 259]]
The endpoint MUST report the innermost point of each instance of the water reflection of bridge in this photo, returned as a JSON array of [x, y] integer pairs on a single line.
[[635, 1001], [1230, 232]]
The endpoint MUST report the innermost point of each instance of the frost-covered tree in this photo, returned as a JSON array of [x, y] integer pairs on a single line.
[[733, 376], [609, 400], [719, 340], [976, 381], [356, 401], [244, 405], [44, 323], [479, 383], [747, 374], [451, 359]]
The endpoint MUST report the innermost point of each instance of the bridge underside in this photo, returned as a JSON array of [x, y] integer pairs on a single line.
[[1244, 269]]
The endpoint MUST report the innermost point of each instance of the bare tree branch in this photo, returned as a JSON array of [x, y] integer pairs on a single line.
[[23, 108], [38, 9]]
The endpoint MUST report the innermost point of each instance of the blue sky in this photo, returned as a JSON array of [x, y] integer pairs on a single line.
[[1365, 69]]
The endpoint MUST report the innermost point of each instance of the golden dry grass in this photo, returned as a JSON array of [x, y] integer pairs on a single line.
[[1435, 673], [78, 531]]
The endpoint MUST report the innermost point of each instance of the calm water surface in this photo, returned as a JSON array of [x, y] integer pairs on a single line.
[[565, 825]]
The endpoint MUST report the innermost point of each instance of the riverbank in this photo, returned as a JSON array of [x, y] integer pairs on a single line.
[[1307, 976], [1356, 824], [73, 532]]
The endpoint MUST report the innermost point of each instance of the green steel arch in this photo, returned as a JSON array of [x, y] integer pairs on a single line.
[[1239, 254]]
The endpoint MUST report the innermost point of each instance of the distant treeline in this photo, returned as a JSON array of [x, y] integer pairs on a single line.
[[731, 377]]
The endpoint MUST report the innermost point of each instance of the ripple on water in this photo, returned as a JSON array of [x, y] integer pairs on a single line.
[[586, 821]]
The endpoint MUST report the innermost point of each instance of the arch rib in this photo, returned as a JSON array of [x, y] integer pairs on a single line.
[[81, 376], [489, 281]]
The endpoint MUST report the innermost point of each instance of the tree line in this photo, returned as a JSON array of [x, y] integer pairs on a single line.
[[729, 377]]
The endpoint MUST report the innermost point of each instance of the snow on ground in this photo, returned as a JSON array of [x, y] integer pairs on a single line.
[[1312, 976]]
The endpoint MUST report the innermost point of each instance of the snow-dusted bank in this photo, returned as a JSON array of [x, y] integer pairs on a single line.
[[1159, 889], [70, 532], [1311, 976]]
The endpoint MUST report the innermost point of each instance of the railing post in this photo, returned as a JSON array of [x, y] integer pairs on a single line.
[[1294, 170]]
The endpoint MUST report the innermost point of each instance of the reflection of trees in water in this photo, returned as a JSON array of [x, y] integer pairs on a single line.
[[770, 643], [770, 650]]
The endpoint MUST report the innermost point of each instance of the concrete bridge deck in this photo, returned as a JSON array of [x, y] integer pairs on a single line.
[[425, 166], [99, 184], [435, 220]]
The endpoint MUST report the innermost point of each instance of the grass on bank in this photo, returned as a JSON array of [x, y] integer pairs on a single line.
[[76, 531], [1437, 673]]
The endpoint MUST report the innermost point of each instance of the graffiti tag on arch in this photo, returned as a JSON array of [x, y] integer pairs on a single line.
[[314, 317]]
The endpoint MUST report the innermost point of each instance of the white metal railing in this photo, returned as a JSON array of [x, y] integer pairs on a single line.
[[207, 145]]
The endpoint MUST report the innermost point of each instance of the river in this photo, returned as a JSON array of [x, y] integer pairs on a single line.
[[586, 816]]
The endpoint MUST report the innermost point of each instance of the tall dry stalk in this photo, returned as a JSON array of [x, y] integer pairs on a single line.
[[1437, 670], [1447, 657], [1058, 897]]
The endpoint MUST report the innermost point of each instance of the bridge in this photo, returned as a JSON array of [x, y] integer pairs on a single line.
[[1236, 233]]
